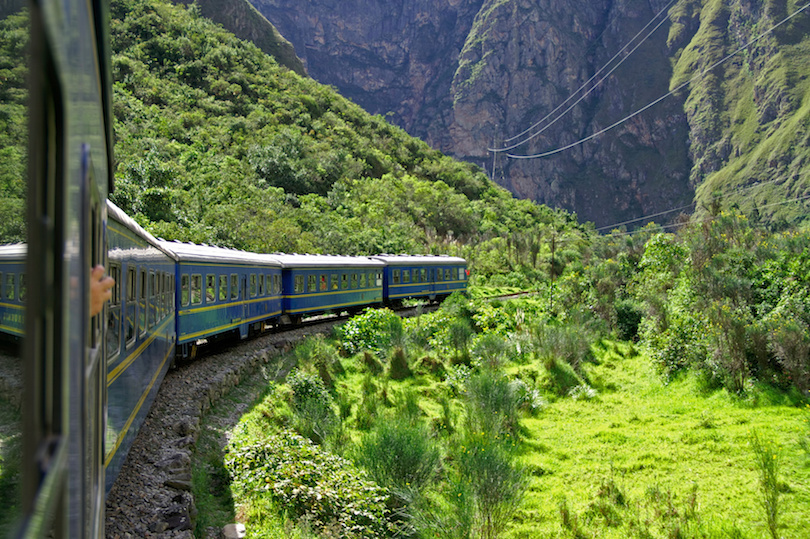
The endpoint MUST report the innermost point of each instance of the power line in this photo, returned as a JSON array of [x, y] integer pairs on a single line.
[[655, 102], [586, 94]]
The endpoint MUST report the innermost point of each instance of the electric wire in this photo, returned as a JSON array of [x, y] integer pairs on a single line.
[[656, 101], [586, 94], [585, 84]]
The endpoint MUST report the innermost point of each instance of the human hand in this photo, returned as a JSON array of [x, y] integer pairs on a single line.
[[100, 289]]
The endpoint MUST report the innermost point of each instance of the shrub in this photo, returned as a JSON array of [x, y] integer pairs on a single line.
[[492, 404], [374, 330], [312, 407], [398, 368], [399, 454], [324, 489]]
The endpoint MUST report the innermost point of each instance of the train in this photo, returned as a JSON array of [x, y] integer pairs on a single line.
[[88, 381]]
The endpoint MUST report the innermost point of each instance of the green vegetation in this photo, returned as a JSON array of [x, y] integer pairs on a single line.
[[10, 465]]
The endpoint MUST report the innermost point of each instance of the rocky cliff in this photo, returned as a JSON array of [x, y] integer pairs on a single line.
[[466, 75]]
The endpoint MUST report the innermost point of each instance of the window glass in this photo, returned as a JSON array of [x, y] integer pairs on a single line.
[[344, 281], [362, 280], [10, 285], [438, 274], [129, 323], [142, 301], [184, 295], [234, 286], [210, 288], [196, 289], [261, 284], [299, 283], [114, 313], [223, 288], [253, 285], [395, 276], [150, 313], [406, 276], [22, 287], [461, 274], [323, 283], [277, 283], [448, 274], [379, 278], [312, 283], [354, 280], [334, 281]]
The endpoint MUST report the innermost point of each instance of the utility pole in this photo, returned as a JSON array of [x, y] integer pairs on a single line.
[[552, 269]]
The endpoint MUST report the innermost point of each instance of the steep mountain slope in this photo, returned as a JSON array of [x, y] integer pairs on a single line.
[[466, 74]]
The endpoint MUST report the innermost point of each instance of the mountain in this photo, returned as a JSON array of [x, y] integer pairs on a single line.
[[465, 75]]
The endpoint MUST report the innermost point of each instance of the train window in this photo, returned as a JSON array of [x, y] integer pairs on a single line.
[[363, 280], [22, 287], [253, 285], [223, 288], [423, 275], [9, 286], [334, 281], [354, 280], [261, 284], [406, 276], [196, 289], [184, 295], [323, 282], [312, 282], [129, 321], [234, 286], [461, 274], [448, 274], [395, 276], [210, 288], [142, 302], [277, 284], [344, 281], [299, 284], [150, 313], [114, 314], [416, 275], [438, 274], [379, 278]]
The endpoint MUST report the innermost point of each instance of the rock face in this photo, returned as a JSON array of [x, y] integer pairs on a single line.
[[468, 75]]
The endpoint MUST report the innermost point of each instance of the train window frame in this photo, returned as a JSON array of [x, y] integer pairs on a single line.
[[423, 272], [261, 285], [323, 286], [344, 281], [21, 290], [142, 305], [333, 281], [395, 276], [131, 325], [362, 281], [354, 281], [448, 274], [210, 288], [10, 286], [312, 282], [416, 275], [461, 274], [298, 284], [277, 283], [406, 276], [112, 335], [253, 285], [223, 287], [379, 279], [438, 274], [185, 289], [234, 287], [196, 289]]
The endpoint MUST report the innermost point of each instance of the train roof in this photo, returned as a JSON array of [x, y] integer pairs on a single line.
[[325, 261], [419, 260], [116, 213], [192, 252], [14, 251]]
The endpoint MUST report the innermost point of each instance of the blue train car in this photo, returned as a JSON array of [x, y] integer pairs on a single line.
[[140, 331], [317, 284], [422, 276], [222, 291], [12, 290]]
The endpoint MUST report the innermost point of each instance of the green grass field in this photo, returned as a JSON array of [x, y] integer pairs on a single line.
[[648, 457]]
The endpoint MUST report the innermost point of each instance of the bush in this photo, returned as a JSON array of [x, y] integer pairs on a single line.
[[374, 330], [400, 455], [324, 489], [492, 404], [312, 407]]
